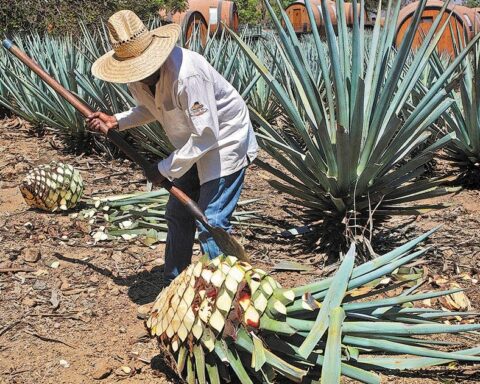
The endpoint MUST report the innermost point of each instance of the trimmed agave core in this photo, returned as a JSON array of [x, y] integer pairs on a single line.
[[211, 300], [53, 186]]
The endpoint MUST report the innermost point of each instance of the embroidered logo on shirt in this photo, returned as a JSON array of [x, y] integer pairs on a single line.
[[197, 109]]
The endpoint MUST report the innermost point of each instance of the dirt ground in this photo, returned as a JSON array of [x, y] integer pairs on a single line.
[[72, 316]]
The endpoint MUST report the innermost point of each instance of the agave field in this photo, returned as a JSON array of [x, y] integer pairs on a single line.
[[360, 217], [356, 145]]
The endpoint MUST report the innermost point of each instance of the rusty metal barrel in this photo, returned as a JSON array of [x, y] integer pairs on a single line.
[[349, 13], [227, 10], [194, 23], [298, 15], [214, 12], [473, 15], [464, 24]]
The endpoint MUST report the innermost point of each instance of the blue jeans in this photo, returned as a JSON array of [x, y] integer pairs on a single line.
[[217, 198]]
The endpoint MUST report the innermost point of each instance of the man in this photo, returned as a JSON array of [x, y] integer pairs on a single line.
[[204, 118]]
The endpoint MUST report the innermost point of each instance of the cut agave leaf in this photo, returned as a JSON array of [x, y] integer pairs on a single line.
[[142, 214]]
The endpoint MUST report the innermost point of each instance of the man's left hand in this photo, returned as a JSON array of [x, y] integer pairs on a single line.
[[154, 176]]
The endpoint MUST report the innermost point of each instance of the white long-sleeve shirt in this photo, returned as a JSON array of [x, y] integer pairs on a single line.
[[204, 117]]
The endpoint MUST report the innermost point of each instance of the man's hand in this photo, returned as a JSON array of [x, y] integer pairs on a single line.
[[154, 176], [101, 122]]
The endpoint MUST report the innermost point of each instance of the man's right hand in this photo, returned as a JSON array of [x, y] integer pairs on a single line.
[[101, 122]]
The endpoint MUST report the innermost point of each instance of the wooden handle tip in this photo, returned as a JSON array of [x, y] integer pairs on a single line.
[[7, 43]]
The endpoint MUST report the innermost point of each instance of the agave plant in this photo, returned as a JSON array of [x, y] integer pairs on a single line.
[[261, 98], [22, 92], [463, 118], [357, 126], [223, 316], [26, 95]]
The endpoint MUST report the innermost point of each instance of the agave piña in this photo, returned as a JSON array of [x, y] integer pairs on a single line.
[[52, 187], [224, 315], [356, 153]]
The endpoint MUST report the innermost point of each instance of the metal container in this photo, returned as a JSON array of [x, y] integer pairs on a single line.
[[464, 24]]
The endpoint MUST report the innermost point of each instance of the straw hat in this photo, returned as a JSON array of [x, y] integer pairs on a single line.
[[137, 52]]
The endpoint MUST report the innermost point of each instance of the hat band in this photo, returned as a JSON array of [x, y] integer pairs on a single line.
[[133, 48]]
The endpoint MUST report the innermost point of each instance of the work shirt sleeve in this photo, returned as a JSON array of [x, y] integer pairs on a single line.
[[196, 97], [136, 116]]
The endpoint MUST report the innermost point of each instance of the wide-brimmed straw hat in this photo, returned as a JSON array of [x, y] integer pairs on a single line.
[[137, 52]]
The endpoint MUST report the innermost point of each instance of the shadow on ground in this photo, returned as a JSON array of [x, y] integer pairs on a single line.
[[143, 287]]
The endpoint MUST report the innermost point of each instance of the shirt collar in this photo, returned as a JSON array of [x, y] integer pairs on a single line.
[[145, 89]]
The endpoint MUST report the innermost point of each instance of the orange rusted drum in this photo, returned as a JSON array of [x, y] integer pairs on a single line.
[[298, 15], [194, 23], [474, 15], [464, 22], [227, 11], [349, 13], [214, 12]]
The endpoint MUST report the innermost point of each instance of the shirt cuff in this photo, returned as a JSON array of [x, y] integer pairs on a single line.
[[163, 169], [122, 119]]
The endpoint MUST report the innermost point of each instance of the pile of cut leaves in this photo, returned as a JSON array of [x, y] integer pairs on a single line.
[[142, 215]]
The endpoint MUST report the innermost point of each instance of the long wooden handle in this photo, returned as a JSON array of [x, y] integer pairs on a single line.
[[112, 135]]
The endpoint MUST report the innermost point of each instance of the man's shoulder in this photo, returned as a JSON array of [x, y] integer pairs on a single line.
[[189, 63], [187, 55]]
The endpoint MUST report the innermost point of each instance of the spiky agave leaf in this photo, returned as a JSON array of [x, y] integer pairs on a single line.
[[224, 314], [52, 187], [358, 126], [463, 118], [27, 96]]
